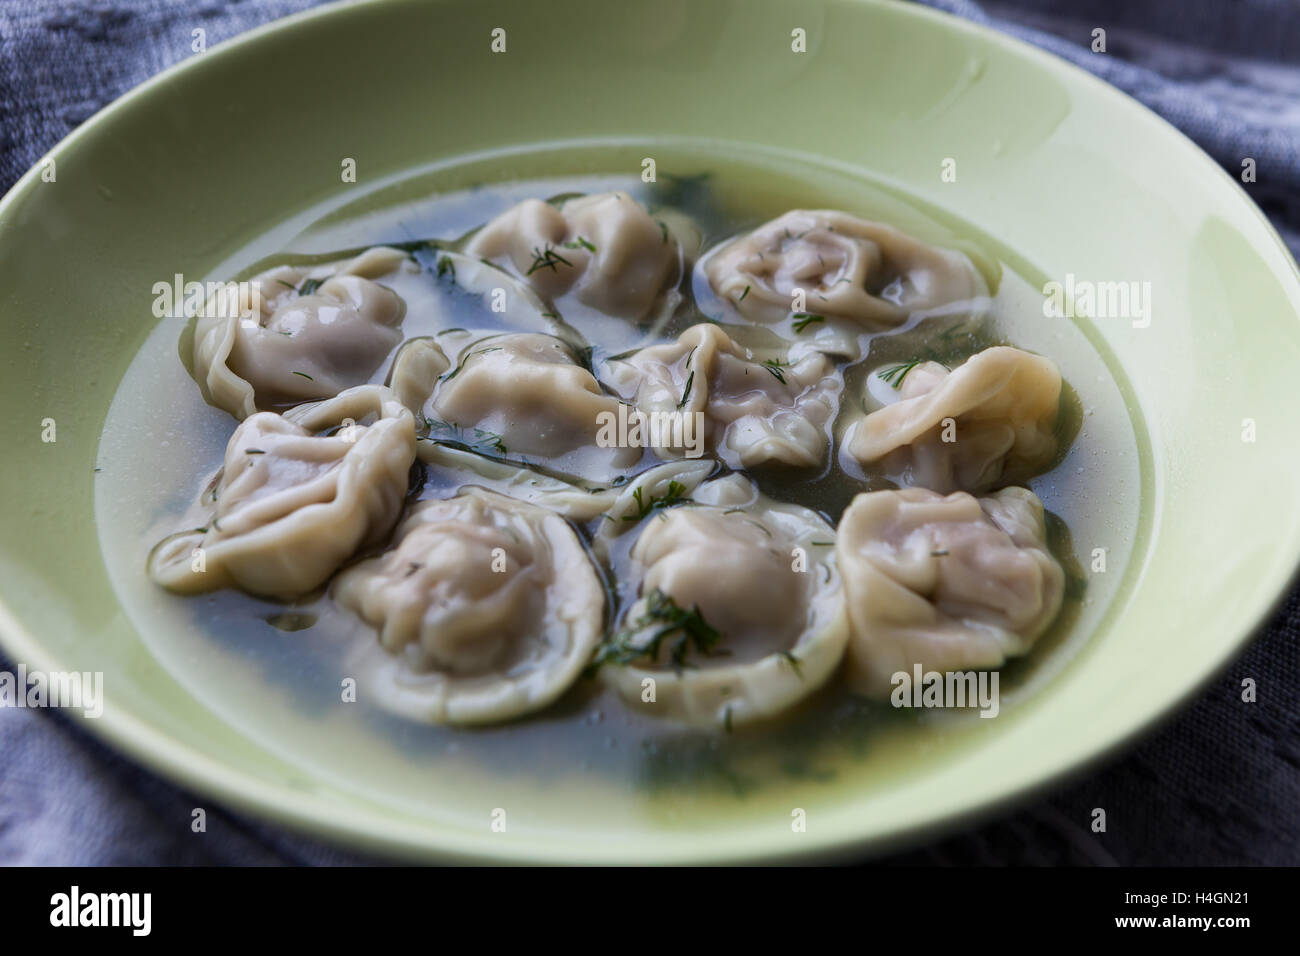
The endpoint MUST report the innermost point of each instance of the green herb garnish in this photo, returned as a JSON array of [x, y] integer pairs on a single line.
[[456, 371], [690, 380], [691, 630], [804, 319], [546, 258], [686, 392], [774, 366], [895, 374], [669, 498], [478, 440]]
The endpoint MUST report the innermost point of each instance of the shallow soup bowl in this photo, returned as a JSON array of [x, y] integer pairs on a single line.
[[1158, 257]]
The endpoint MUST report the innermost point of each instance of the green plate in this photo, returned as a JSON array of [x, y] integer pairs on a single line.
[[1074, 176]]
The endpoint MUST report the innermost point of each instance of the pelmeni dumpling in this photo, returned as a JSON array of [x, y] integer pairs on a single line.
[[655, 489], [522, 393], [453, 467], [756, 406], [299, 334], [490, 605], [739, 614], [846, 267], [605, 249], [508, 299], [990, 422], [289, 506], [950, 583]]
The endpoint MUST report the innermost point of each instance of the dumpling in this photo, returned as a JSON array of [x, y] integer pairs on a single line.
[[307, 335], [524, 394], [757, 406], [848, 268], [990, 422], [289, 506], [605, 249], [950, 583], [489, 605], [418, 365], [655, 489], [739, 614], [480, 287]]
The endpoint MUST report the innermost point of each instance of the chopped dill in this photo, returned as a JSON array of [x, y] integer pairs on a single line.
[[478, 440], [743, 294], [774, 366], [580, 243], [692, 632], [672, 496], [309, 286], [804, 319], [546, 258], [686, 392], [445, 266], [895, 374], [305, 375], [456, 371], [690, 380]]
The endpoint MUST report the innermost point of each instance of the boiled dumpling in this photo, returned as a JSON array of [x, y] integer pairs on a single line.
[[491, 605], [605, 249], [517, 394], [739, 614], [289, 506], [757, 406], [452, 467], [847, 268], [309, 334], [989, 422], [650, 492], [950, 583], [481, 287], [417, 367]]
